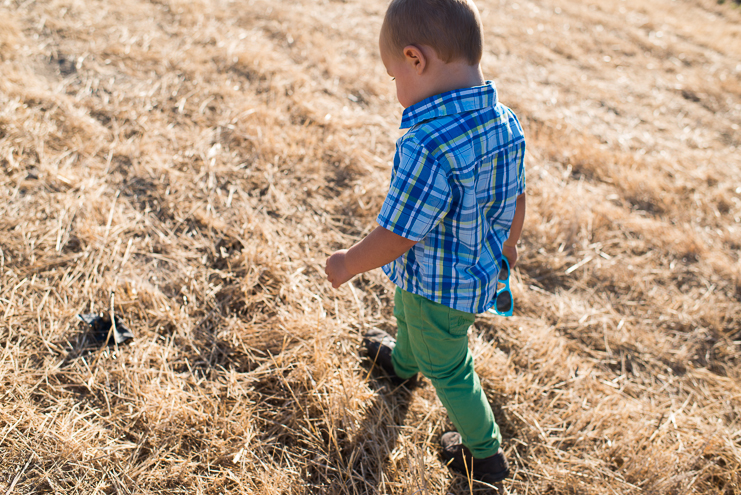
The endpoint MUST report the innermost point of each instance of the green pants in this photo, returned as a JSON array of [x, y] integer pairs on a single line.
[[433, 339]]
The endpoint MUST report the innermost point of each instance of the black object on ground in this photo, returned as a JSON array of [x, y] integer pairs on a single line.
[[101, 325]]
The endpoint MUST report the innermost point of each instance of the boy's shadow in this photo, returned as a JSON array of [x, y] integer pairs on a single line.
[[372, 449]]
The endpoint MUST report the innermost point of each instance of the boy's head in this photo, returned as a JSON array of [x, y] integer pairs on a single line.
[[452, 28]]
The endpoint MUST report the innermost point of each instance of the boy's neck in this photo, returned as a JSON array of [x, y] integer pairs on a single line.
[[457, 75]]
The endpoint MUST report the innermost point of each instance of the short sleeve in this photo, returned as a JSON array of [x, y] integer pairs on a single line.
[[517, 136], [419, 195], [520, 160]]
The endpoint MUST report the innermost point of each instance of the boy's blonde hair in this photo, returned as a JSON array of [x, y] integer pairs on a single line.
[[450, 27]]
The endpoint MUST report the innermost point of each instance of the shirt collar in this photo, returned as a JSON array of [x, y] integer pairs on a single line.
[[450, 103]]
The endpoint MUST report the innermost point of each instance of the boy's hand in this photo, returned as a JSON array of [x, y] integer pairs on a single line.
[[336, 269], [510, 251]]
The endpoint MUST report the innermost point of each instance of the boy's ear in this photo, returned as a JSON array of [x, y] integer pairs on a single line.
[[415, 57]]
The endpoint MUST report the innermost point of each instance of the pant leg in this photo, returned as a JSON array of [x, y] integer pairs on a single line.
[[438, 336], [402, 357]]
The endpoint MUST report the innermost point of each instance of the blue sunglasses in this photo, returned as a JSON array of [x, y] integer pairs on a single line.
[[503, 302]]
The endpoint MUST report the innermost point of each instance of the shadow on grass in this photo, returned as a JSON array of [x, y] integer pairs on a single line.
[[370, 452]]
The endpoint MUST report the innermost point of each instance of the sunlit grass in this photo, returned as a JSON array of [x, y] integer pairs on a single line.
[[193, 163]]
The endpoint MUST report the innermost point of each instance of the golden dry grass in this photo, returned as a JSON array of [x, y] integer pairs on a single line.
[[193, 163]]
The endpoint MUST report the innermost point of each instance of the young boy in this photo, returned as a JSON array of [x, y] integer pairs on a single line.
[[455, 206]]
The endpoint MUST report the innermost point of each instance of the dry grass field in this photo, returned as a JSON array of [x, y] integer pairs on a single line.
[[192, 163]]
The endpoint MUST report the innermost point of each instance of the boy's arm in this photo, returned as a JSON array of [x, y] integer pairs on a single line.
[[379, 248], [510, 245]]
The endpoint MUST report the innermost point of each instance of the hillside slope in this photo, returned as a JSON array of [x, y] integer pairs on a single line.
[[191, 164]]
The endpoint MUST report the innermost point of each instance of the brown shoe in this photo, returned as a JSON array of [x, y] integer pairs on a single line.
[[491, 470], [377, 346]]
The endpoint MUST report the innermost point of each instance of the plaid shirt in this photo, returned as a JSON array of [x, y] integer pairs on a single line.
[[456, 176]]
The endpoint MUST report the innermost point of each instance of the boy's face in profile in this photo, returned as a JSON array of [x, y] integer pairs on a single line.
[[420, 73], [398, 67]]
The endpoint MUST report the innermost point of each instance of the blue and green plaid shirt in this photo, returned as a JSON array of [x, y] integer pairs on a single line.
[[456, 176]]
